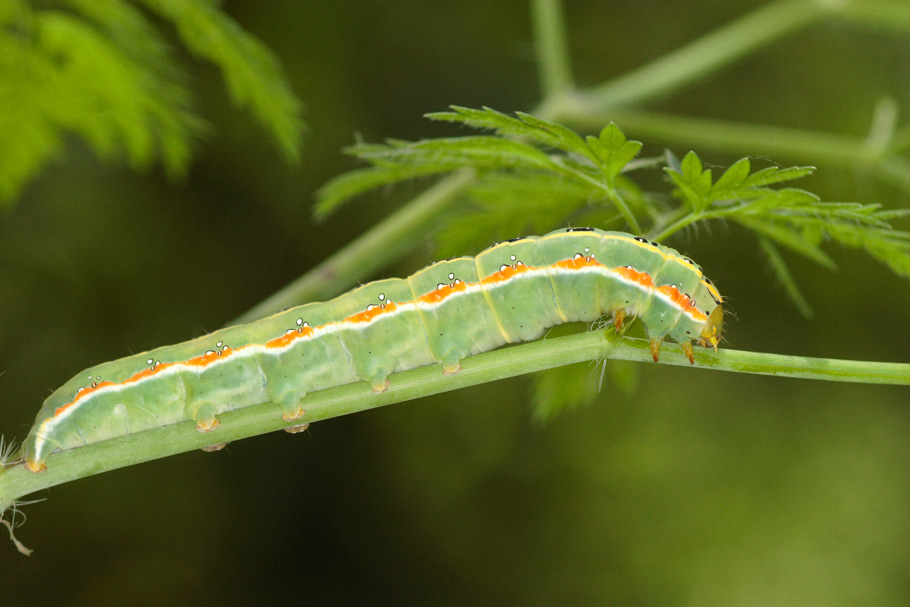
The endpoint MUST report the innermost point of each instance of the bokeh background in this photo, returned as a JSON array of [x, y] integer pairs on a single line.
[[697, 488]]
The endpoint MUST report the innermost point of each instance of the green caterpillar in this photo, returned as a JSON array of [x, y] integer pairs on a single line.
[[509, 293]]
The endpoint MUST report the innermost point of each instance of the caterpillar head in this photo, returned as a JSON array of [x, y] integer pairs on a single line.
[[710, 334]]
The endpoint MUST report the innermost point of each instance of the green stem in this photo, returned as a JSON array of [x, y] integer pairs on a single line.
[[705, 54], [609, 190], [732, 136], [65, 466], [771, 141], [624, 210], [553, 63], [879, 14], [386, 241]]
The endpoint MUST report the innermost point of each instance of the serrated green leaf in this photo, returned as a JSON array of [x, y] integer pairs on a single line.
[[693, 183], [540, 131], [696, 175], [348, 185], [100, 69], [558, 136], [479, 151], [485, 118], [673, 163], [732, 179], [685, 189], [612, 136], [611, 150], [253, 75], [771, 175], [691, 167], [505, 205], [788, 239], [780, 269]]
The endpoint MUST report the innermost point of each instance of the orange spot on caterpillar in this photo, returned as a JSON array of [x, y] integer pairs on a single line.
[[440, 293], [202, 361], [576, 263], [290, 336], [371, 313], [633, 275], [505, 274], [682, 300]]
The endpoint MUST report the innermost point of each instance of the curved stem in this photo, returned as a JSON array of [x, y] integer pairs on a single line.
[[386, 241], [706, 54]]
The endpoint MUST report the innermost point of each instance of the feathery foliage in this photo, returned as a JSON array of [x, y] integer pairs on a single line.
[[533, 174], [101, 70]]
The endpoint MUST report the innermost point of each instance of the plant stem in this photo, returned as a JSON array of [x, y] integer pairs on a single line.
[[733, 136], [386, 241], [772, 141], [16, 481], [553, 63], [878, 13], [705, 54]]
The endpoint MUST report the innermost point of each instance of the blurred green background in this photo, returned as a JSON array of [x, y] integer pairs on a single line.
[[697, 489]]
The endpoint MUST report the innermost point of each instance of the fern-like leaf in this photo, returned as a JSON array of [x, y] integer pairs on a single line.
[[101, 70]]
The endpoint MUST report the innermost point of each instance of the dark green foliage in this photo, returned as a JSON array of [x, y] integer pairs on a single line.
[[100, 69], [533, 174]]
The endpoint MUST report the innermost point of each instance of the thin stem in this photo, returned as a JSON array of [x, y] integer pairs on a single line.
[[624, 209], [732, 136], [771, 141], [16, 481], [878, 13], [706, 54], [609, 191], [553, 63], [385, 242]]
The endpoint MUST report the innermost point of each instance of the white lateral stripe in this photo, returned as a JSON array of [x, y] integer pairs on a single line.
[[337, 326]]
